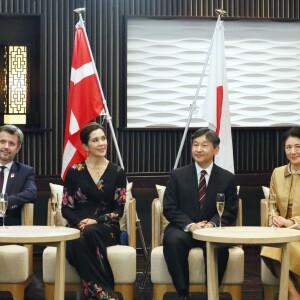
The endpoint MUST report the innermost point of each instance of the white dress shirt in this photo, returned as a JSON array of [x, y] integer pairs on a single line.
[[207, 176], [6, 172]]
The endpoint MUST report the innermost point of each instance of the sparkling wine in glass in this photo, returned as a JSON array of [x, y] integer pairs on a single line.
[[54, 207], [3, 206], [220, 202], [272, 207]]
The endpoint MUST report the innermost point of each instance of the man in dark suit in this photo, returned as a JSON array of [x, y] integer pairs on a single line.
[[18, 180], [185, 212]]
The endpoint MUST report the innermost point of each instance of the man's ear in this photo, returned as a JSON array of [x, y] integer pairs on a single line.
[[18, 149], [217, 149]]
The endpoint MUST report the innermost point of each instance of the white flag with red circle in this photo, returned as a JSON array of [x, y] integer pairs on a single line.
[[215, 109]]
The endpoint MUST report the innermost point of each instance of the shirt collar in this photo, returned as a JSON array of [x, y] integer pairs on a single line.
[[208, 169], [8, 166], [287, 170]]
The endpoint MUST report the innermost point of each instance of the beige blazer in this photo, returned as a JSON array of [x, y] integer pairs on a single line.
[[286, 187]]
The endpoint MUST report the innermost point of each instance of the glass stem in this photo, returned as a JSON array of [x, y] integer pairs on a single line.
[[54, 218]]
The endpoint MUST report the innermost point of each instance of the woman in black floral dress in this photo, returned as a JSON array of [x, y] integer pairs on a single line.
[[93, 201]]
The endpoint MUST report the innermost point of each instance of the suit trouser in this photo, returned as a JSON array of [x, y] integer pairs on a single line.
[[177, 244]]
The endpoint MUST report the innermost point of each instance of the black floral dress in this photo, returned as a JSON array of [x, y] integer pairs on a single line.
[[84, 199]]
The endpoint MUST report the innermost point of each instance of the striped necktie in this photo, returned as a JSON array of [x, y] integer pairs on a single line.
[[202, 187], [1, 177]]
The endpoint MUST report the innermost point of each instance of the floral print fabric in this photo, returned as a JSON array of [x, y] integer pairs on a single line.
[[105, 203]]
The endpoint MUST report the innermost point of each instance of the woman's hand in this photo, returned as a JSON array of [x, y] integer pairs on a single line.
[[279, 221], [86, 222]]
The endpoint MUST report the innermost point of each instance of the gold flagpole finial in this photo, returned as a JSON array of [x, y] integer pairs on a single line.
[[80, 10], [221, 12]]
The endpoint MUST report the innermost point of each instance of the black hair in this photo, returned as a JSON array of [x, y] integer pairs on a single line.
[[293, 131], [211, 135]]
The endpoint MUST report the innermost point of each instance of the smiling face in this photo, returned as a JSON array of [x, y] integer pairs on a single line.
[[97, 143], [9, 147], [203, 151], [292, 151]]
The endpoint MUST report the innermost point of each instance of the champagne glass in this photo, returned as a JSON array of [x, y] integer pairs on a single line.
[[54, 207], [3, 206], [220, 202], [272, 207]]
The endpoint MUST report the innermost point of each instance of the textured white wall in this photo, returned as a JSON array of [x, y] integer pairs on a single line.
[[165, 58]]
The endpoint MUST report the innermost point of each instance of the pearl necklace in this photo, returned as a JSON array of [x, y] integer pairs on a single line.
[[293, 172]]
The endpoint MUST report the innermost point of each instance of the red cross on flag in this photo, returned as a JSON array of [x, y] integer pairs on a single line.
[[85, 99]]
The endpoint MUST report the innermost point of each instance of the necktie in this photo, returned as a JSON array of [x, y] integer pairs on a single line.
[[1, 177], [202, 187]]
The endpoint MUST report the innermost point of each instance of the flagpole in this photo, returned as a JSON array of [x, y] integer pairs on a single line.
[[79, 11], [192, 107], [108, 117]]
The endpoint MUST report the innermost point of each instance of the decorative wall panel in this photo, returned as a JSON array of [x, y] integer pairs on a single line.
[[165, 60]]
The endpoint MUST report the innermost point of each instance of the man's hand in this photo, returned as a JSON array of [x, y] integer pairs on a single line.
[[198, 225], [209, 225]]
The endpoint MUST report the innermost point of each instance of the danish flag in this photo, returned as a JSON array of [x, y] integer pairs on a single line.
[[85, 101]]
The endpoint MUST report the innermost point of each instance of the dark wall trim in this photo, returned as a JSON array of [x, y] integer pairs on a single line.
[[148, 181]]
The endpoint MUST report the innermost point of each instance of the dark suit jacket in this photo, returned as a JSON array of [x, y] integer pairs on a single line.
[[21, 189], [181, 198]]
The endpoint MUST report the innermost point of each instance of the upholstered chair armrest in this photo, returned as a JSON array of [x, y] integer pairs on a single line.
[[239, 219], [49, 213], [264, 213], [131, 222], [156, 222], [27, 214], [59, 219]]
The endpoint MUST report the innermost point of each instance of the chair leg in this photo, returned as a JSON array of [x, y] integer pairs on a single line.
[[234, 290], [17, 292], [49, 291], [126, 290], [270, 291], [160, 289], [15, 289]]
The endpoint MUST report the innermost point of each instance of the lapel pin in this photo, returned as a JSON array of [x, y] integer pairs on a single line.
[[12, 175]]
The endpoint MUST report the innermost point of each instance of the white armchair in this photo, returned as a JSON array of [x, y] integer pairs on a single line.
[[160, 277], [16, 262], [119, 255]]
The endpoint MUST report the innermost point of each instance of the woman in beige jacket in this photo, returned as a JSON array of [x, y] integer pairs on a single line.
[[285, 183]]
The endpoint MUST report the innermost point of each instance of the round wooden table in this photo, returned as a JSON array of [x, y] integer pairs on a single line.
[[238, 235], [54, 236]]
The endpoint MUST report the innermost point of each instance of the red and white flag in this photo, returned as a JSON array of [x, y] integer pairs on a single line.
[[85, 99], [215, 109]]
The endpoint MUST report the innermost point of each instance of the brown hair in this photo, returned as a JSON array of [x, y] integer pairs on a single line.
[[87, 129], [14, 130]]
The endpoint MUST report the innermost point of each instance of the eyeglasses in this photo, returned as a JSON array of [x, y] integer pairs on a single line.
[[289, 148]]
